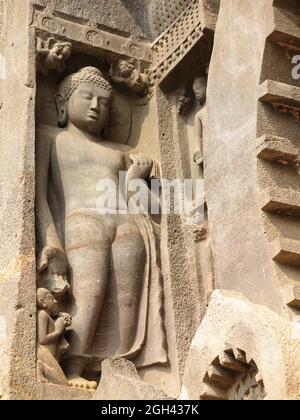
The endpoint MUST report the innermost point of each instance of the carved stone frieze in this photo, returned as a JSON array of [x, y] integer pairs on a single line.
[[91, 35]]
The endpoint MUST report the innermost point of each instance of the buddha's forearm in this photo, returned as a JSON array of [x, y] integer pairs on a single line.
[[46, 230]]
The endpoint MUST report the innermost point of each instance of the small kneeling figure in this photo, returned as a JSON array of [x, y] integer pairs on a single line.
[[51, 340]]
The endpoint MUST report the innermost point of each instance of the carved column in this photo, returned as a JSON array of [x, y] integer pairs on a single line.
[[17, 173]]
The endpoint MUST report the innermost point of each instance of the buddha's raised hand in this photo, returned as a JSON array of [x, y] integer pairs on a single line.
[[141, 167]]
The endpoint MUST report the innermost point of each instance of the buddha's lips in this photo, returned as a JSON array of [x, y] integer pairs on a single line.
[[93, 115]]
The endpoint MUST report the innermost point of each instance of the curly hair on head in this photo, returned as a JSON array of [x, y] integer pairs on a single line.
[[86, 75]]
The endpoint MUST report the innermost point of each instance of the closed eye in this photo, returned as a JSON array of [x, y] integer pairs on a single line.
[[86, 94]]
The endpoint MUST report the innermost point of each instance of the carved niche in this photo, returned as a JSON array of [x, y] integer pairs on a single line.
[[100, 267]]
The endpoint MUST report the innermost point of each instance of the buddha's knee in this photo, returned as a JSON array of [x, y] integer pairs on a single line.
[[129, 242], [128, 231]]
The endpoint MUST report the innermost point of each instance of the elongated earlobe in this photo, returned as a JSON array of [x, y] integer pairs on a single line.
[[62, 110], [106, 129]]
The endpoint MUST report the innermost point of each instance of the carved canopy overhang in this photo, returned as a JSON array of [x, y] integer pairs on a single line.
[[83, 33], [160, 57], [177, 41]]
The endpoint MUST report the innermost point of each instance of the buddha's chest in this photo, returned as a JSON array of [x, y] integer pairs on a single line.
[[81, 154]]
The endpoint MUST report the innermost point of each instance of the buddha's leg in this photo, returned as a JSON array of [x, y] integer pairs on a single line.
[[89, 251], [129, 256]]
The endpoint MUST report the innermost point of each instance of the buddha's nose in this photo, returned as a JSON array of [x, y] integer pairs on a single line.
[[95, 104]]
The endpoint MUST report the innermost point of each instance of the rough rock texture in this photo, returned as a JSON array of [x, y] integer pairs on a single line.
[[120, 381], [231, 177], [17, 250]]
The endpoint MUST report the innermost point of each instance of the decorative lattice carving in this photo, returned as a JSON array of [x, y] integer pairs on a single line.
[[233, 376], [164, 12], [176, 42], [249, 388]]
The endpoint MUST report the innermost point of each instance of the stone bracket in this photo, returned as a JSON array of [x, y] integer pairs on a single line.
[[286, 251], [283, 97], [280, 93], [292, 296], [276, 149], [286, 31], [281, 201]]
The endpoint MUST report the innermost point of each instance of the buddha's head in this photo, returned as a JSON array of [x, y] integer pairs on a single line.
[[46, 301], [200, 87], [84, 99]]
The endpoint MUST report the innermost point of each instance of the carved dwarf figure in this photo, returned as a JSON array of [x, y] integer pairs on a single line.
[[125, 73], [52, 54], [110, 258], [51, 341]]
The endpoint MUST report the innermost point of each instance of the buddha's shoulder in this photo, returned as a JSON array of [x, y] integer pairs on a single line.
[[48, 132]]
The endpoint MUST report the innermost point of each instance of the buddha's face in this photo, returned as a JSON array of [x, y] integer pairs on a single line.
[[88, 108]]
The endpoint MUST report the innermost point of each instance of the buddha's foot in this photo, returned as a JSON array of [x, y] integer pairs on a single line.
[[79, 382]]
